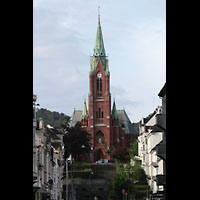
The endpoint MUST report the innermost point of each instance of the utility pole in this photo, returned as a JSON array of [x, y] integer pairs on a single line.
[[66, 179]]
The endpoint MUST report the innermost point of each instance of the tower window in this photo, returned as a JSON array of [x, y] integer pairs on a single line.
[[99, 87], [99, 112]]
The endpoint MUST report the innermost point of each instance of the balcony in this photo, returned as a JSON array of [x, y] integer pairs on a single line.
[[161, 121], [35, 176], [161, 180], [154, 178], [154, 164], [161, 151]]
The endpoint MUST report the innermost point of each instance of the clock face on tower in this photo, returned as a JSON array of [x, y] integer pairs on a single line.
[[99, 75]]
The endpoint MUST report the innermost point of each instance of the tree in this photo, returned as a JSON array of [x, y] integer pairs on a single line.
[[121, 181], [139, 174], [121, 154], [132, 180], [76, 140], [133, 150]]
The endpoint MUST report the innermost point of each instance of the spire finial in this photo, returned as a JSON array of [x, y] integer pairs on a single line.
[[99, 15]]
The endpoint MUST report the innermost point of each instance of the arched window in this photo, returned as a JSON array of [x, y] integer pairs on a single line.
[[99, 87], [99, 113]]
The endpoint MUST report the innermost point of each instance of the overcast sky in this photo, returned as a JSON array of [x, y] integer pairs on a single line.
[[134, 33]]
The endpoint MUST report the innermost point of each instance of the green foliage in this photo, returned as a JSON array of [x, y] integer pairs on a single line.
[[119, 183], [138, 185], [133, 150], [76, 141], [55, 119], [139, 174]]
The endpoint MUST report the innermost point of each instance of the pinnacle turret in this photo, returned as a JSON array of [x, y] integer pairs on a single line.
[[84, 112], [114, 111]]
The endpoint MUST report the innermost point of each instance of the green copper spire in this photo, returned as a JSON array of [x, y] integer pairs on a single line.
[[114, 111], [84, 112], [99, 52], [99, 46]]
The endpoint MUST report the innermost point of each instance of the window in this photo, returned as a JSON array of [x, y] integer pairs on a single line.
[[99, 87], [99, 113]]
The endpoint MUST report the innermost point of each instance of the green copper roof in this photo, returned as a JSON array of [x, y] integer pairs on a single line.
[[99, 46], [99, 51], [84, 112], [114, 111]]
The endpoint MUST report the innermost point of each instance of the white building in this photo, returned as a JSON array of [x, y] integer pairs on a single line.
[[152, 147], [149, 137], [47, 160]]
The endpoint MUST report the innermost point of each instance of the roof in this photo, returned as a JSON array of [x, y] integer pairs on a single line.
[[114, 111], [99, 46], [52, 133], [162, 91], [122, 118], [76, 117]]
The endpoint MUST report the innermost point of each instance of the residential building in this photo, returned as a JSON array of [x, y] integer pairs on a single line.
[[151, 148], [161, 147], [48, 151]]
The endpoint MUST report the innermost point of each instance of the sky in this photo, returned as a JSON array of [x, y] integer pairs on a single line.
[[134, 34]]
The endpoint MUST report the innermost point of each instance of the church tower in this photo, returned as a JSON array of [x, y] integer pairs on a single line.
[[109, 129], [99, 99]]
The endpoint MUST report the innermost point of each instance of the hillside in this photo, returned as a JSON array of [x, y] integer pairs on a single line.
[[53, 118]]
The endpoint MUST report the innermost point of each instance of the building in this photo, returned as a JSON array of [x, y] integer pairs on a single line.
[[151, 148], [57, 155], [109, 129], [36, 178], [161, 147], [48, 151]]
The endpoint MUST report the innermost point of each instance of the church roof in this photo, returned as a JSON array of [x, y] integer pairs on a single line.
[[123, 119], [125, 122], [76, 117], [99, 45]]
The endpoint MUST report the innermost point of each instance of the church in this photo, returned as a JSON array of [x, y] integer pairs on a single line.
[[109, 129]]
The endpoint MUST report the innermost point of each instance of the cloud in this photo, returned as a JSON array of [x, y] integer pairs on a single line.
[[134, 37]]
